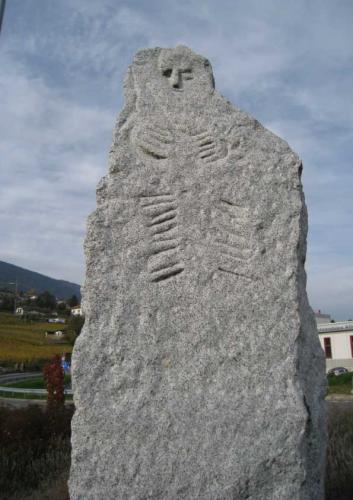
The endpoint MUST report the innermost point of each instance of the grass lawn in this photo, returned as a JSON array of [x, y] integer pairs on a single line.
[[342, 384], [25, 341]]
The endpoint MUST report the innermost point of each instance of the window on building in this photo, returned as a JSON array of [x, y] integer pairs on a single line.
[[327, 347], [351, 340]]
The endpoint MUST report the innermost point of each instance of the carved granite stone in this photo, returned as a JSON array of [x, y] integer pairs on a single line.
[[198, 374]]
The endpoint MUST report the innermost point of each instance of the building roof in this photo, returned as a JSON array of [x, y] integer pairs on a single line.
[[337, 327]]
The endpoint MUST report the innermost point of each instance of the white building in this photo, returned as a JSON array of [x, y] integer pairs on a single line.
[[77, 311], [337, 342]]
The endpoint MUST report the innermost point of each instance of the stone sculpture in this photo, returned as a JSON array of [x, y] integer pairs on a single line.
[[198, 374]]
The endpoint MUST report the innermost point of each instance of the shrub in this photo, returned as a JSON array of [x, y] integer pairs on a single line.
[[34, 447], [339, 472], [53, 374]]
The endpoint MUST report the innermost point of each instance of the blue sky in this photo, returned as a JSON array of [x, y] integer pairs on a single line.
[[289, 64]]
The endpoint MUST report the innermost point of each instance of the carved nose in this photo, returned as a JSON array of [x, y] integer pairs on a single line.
[[175, 80]]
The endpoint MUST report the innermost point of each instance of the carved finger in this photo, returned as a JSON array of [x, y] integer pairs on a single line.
[[207, 154], [207, 147]]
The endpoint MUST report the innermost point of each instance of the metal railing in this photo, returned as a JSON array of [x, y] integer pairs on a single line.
[[34, 392]]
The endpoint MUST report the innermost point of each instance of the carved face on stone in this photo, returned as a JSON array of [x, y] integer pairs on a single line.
[[180, 66]]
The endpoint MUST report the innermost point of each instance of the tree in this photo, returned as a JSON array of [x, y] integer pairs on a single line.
[[46, 300], [7, 302], [63, 308], [53, 374], [73, 301], [74, 327]]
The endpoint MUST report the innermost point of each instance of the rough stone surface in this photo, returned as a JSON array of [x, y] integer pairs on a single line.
[[199, 373]]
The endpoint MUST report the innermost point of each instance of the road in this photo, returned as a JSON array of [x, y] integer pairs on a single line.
[[8, 378]]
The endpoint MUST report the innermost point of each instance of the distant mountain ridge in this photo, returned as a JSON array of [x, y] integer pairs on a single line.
[[27, 279]]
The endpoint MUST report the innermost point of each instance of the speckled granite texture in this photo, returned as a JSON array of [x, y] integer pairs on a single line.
[[198, 374]]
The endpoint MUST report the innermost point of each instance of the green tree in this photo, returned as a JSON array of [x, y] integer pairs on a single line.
[[46, 300], [73, 301], [74, 328], [7, 302], [62, 307]]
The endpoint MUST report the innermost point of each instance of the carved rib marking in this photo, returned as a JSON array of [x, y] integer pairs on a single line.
[[230, 205], [164, 227], [207, 141], [228, 234], [235, 212], [235, 273], [164, 246], [155, 195], [241, 251], [161, 220]]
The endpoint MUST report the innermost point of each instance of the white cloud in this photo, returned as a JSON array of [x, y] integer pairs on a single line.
[[53, 153]]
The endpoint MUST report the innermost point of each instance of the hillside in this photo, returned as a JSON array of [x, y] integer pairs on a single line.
[[27, 279]]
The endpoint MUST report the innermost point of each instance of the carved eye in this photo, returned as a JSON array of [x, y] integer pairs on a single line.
[[167, 72], [187, 74]]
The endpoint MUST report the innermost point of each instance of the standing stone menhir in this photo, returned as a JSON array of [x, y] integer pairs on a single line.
[[199, 373]]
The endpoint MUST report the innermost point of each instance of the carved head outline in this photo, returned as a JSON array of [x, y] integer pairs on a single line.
[[181, 65]]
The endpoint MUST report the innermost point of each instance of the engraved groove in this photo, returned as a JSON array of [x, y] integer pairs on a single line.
[[152, 153], [163, 267], [201, 135], [159, 205], [235, 257], [229, 233], [230, 203], [155, 195], [164, 246], [165, 216], [162, 130], [160, 137], [205, 142], [242, 253], [164, 227], [167, 275], [207, 147], [210, 160], [235, 273], [207, 154]]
